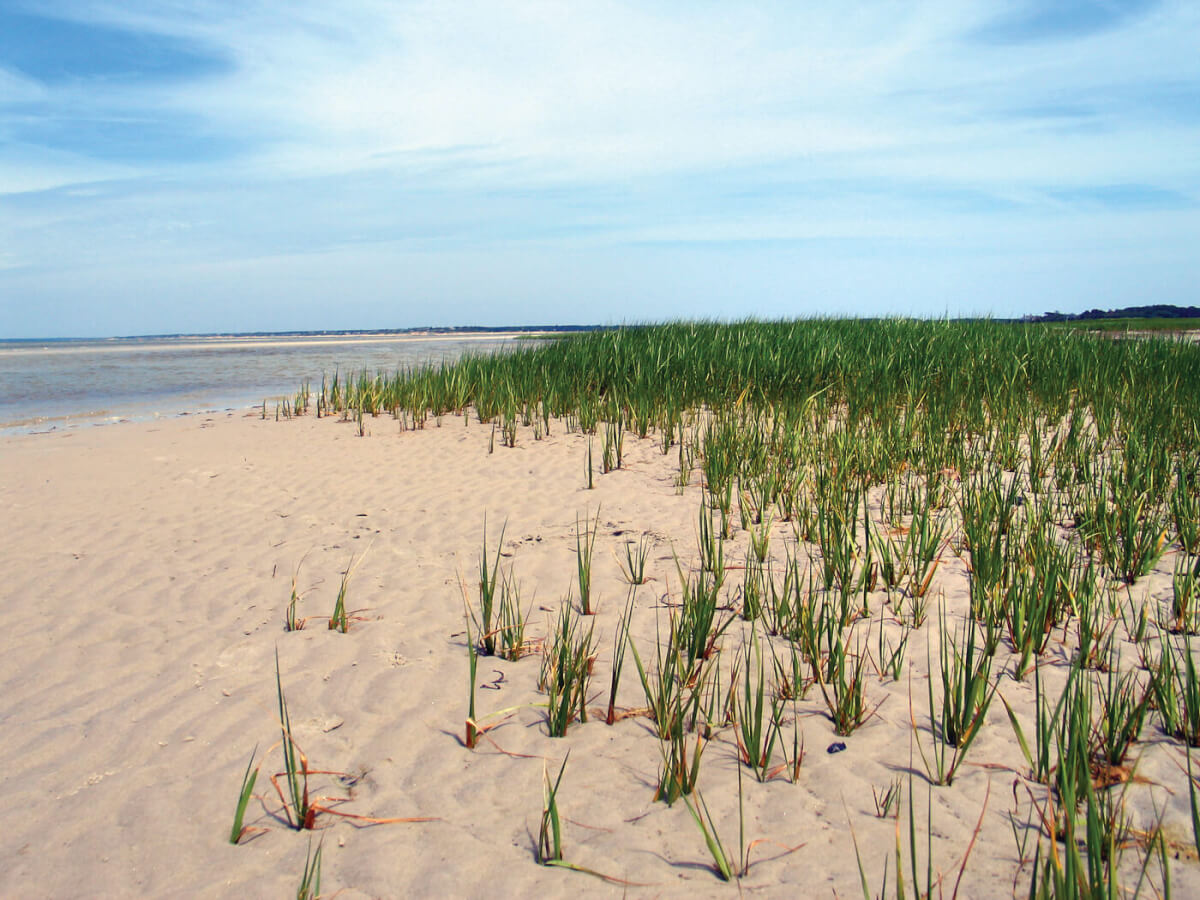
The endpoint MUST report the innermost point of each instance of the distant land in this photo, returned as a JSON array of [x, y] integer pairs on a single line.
[[1156, 316], [1157, 311]]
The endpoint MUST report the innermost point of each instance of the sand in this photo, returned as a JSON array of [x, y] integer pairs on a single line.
[[147, 572]]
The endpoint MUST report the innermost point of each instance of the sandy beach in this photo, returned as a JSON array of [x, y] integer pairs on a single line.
[[148, 568]]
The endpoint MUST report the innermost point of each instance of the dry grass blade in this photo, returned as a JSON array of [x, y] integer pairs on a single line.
[[299, 808], [312, 807]]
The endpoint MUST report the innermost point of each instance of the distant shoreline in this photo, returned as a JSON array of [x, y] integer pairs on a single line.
[[463, 332], [69, 382], [175, 344]]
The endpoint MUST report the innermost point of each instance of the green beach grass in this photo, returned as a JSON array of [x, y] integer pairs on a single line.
[[1059, 467]]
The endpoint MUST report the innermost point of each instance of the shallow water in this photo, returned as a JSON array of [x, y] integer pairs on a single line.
[[66, 383]]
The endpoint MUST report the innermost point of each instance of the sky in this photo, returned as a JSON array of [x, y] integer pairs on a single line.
[[196, 167]]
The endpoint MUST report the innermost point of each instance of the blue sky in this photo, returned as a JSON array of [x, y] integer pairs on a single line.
[[219, 166]]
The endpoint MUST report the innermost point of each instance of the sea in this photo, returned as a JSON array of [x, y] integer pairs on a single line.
[[57, 384]]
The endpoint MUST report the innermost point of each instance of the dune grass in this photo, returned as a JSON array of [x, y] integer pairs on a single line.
[[856, 464], [239, 830], [310, 880]]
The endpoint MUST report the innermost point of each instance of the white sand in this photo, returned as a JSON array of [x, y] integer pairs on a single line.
[[148, 569]]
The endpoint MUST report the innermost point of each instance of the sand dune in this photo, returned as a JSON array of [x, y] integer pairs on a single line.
[[148, 567]]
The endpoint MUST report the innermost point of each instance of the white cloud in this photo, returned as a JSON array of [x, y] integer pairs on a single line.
[[27, 169], [599, 89], [566, 86], [370, 129]]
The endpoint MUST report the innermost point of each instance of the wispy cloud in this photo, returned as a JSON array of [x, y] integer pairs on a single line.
[[186, 139], [1031, 21]]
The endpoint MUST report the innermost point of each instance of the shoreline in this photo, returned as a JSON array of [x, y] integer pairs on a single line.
[[169, 344], [184, 369]]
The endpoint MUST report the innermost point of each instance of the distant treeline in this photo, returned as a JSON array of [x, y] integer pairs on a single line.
[[469, 329], [1157, 311]]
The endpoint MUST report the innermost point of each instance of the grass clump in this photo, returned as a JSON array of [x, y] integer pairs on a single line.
[[567, 672], [310, 881], [296, 806], [585, 543], [1176, 690], [668, 698], [550, 843], [844, 687], [1054, 466], [488, 579], [292, 621], [513, 621], [633, 568], [956, 712], [680, 771], [620, 644], [1185, 596], [759, 713], [340, 619]]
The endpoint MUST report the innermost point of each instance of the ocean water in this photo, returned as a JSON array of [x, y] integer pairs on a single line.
[[56, 384]]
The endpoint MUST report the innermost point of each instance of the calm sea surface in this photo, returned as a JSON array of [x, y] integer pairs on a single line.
[[67, 383]]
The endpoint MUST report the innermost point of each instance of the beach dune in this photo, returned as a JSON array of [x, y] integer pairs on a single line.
[[148, 568]]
